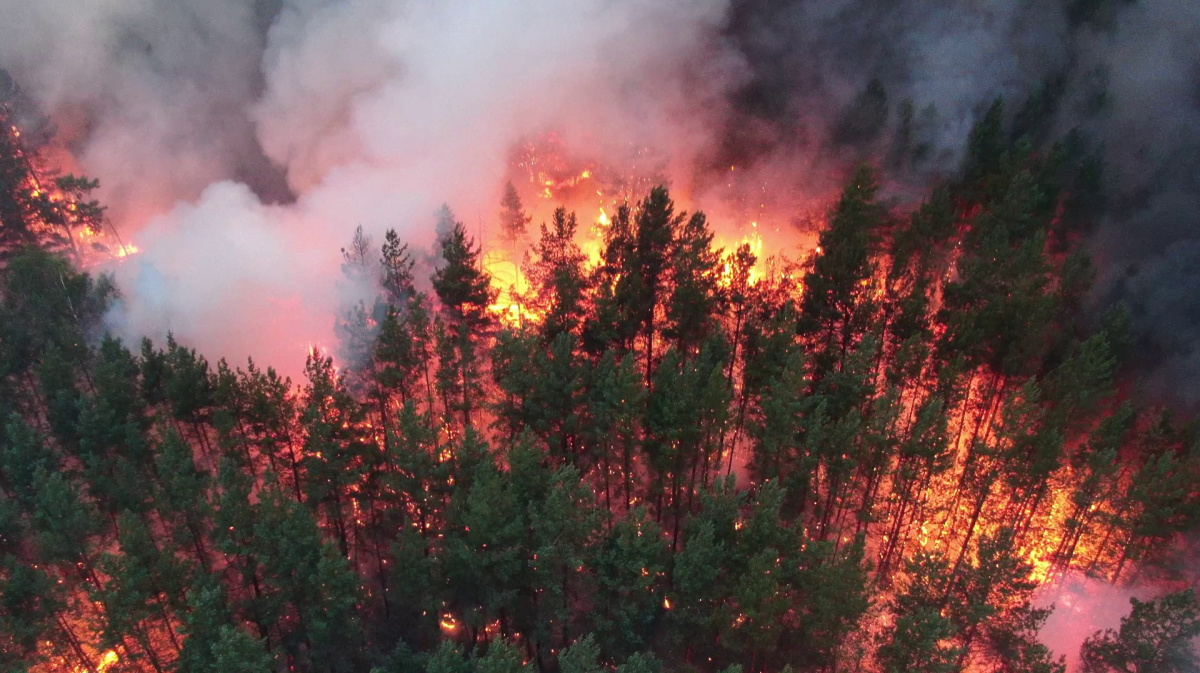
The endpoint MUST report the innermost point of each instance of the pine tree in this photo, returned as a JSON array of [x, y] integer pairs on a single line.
[[614, 395], [336, 454], [582, 656], [460, 283], [1155, 636], [841, 273], [698, 595], [655, 229], [396, 266], [557, 277], [483, 555], [29, 611], [920, 637], [513, 220], [315, 584], [694, 302], [627, 566], [615, 321]]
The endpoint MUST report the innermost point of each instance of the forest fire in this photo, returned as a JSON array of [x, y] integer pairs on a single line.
[[641, 435], [55, 208]]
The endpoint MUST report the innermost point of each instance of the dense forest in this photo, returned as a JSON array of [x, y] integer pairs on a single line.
[[679, 458]]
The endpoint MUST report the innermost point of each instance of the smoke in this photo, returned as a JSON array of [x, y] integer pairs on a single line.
[[150, 95], [1083, 606], [376, 111], [814, 63], [241, 142], [1123, 73], [332, 115], [1149, 243]]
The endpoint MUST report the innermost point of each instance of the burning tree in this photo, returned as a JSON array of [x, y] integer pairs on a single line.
[[670, 454]]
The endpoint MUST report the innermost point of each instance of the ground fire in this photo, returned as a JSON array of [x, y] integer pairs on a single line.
[[607, 433]]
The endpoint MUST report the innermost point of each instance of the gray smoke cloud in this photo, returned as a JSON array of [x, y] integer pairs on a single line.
[[150, 95], [1125, 73], [240, 142], [374, 111]]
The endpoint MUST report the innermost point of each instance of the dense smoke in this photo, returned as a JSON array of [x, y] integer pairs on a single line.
[[376, 112], [1124, 74], [1082, 607], [373, 112], [241, 142]]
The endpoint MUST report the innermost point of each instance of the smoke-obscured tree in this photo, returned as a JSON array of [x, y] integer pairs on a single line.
[[30, 215], [987, 146], [16, 204], [1156, 636], [48, 305], [1161, 502], [866, 118], [358, 259], [513, 219], [396, 270]]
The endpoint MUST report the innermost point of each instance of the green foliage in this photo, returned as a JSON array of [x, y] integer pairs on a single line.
[[1155, 636], [558, 277], [701, 459], [460, 283]]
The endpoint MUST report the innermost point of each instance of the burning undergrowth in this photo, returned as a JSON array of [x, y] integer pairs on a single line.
[[921, 400]]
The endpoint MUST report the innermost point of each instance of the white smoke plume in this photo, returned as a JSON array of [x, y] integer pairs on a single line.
[[374, 112], [377, 111], [1083, 606]]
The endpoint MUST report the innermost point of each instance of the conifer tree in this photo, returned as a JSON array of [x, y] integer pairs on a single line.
[[920, 637], [627, 565], [1155, 636], [557, 277], [513, 219], [841, 272], [655, 229], [694, 302], [460, 283], [396, 270]]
